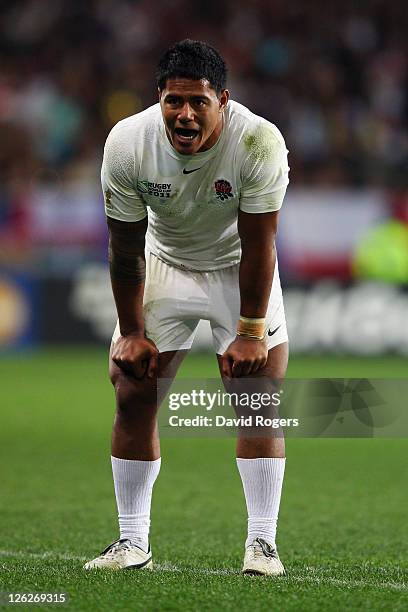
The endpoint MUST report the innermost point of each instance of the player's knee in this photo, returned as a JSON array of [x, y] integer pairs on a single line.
[[133, 394]]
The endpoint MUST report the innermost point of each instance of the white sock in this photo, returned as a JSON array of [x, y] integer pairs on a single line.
[[262, 481], [134, 482]]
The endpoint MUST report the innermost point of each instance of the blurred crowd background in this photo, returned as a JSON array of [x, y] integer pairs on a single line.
[[332, 75]]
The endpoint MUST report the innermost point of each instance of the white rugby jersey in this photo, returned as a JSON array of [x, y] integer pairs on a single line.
[[192, 201]]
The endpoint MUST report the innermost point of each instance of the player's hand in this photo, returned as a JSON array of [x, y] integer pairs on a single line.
[[136, 356], [244, 356]]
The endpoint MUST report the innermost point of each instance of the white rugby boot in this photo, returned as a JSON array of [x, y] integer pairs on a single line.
[[120, 555], [262, 559]]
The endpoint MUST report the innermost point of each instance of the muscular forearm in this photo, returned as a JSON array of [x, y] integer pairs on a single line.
[[127, 271], [255, 278], [129, 305]]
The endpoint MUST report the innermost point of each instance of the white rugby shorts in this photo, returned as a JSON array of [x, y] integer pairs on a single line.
[[175, 300]]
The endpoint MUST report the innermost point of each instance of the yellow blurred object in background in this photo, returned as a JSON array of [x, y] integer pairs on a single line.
[[120, 104], [383, 254]]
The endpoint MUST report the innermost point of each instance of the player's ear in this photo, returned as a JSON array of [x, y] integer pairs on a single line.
[[159, 93], [224, 97]]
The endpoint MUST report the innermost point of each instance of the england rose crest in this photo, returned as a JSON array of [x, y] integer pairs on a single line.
[[223, 189]]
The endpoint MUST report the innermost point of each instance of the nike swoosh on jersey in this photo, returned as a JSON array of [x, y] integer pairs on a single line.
[[190, 171], [270, 333]]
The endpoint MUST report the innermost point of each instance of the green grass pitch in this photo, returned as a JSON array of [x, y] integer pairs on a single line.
[[343, 529]]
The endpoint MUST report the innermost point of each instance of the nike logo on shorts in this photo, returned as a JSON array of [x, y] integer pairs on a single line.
[[270, 333]]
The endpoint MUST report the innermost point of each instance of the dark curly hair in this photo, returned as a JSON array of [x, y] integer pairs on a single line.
[[192, 59]]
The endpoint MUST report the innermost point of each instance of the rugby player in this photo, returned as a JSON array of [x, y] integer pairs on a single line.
[[192, 187]]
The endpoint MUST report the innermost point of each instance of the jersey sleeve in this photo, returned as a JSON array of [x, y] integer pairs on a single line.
[[122, 201], [265, 170]]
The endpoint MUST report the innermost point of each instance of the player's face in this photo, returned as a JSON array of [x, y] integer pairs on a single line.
[[192, 114]]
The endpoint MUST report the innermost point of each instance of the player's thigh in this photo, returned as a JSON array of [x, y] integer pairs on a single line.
[[148, 391], [266, 381], [225, 312], [173, 304]]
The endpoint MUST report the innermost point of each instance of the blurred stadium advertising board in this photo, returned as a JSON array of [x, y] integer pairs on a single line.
[[362, 318], [319, 233], [319, 229], [66, 213], [18, 311]]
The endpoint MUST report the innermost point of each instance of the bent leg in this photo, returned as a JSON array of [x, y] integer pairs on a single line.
[[250, 446], [135, 446], [261, 462], [135, 432]]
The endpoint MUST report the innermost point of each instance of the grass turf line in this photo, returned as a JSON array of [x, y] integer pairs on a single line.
[[342, 533]]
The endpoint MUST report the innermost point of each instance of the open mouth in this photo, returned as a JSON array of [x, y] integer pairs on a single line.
[[185, 134]]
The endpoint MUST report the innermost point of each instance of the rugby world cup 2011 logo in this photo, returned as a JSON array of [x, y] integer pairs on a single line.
[[223, 189]]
